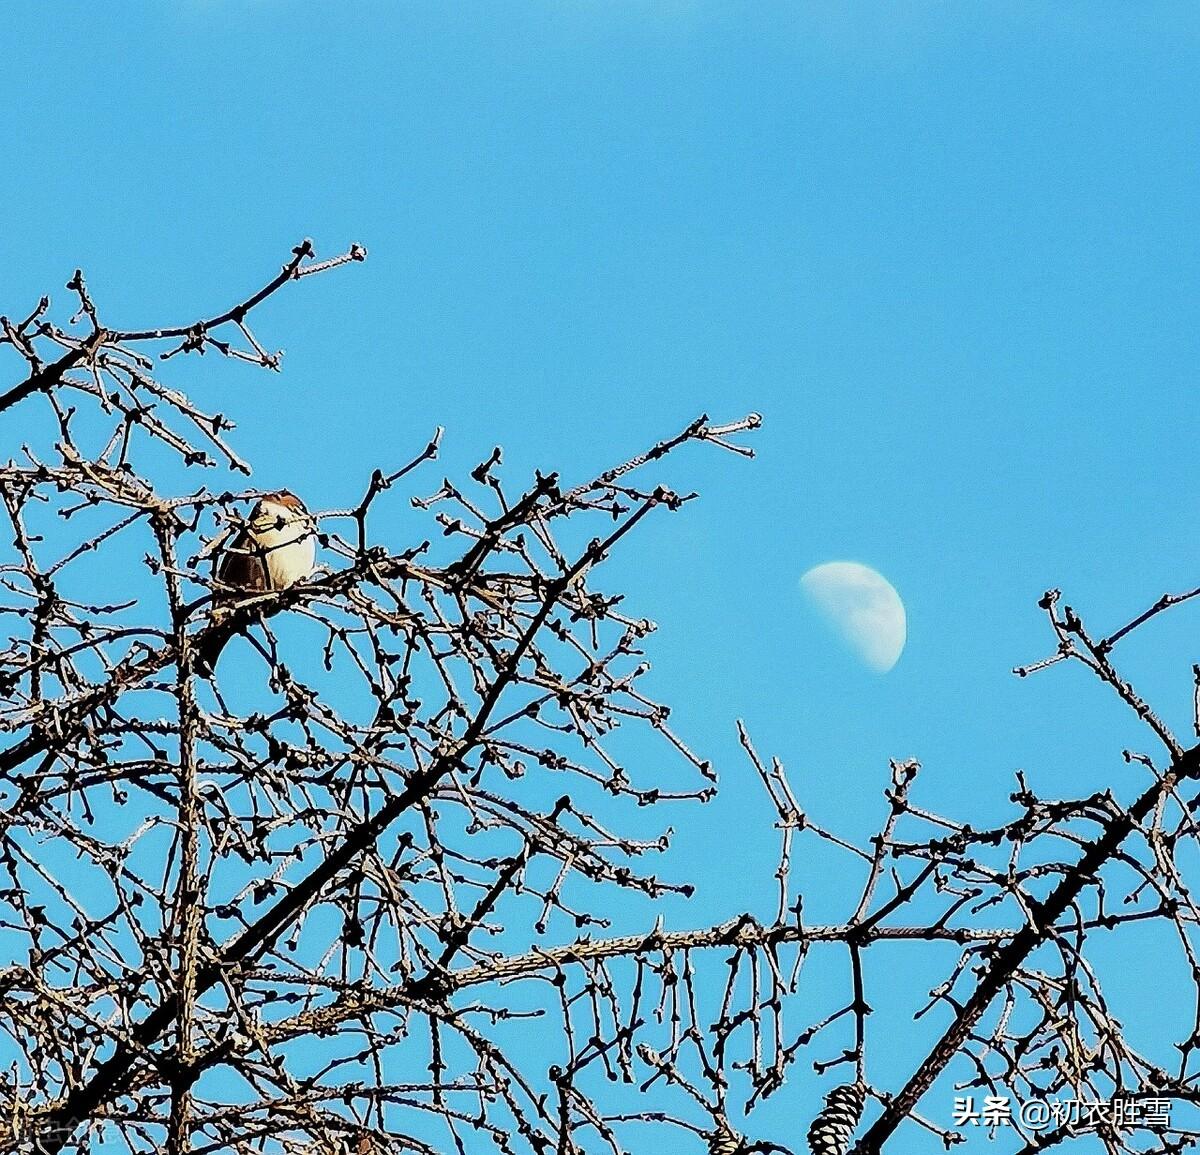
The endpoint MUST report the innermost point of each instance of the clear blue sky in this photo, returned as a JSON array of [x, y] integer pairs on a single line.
[[949, 251]]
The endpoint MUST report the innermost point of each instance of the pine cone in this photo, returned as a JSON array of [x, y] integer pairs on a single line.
[[725, 1142], [833, 1128]]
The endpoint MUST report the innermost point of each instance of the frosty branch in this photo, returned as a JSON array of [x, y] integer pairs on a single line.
[[373, 886]]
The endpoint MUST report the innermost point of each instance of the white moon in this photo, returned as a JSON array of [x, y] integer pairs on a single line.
[[863, 607]]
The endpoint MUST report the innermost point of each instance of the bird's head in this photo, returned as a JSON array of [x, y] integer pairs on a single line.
[[279, 507], [285, 498]]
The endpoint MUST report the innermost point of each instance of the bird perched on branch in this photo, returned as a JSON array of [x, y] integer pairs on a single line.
[[274, 549]]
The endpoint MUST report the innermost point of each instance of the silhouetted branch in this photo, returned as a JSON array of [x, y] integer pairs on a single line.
[[372, 886]]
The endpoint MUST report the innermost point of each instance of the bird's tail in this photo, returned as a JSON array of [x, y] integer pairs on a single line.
[[211, 642]]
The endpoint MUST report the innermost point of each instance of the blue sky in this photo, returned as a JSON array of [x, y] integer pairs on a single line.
[[947, 250]]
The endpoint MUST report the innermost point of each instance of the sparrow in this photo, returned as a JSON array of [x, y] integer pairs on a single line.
[[274, 549]]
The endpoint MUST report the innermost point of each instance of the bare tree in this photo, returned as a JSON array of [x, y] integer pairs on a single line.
[[362, 897]]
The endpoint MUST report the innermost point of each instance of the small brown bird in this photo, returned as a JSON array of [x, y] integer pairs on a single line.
[[276, 548]]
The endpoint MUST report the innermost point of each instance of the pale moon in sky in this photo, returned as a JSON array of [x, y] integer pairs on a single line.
[[863, 607]]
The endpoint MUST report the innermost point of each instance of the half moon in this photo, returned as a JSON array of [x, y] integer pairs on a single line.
[[864, 609]]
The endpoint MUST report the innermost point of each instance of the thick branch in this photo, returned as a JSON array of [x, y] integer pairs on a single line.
[[82, 1103], [1011, 956], [46, 377]]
